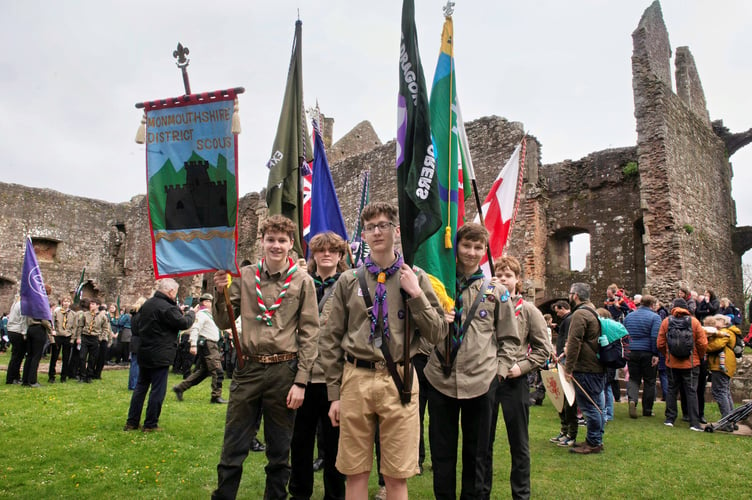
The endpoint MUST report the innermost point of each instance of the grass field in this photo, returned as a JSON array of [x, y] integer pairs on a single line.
[[66, 441]]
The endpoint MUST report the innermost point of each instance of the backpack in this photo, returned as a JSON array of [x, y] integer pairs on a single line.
[[680, 339], [614, 342]]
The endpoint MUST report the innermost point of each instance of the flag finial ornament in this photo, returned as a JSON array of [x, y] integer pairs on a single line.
[[448, 8]]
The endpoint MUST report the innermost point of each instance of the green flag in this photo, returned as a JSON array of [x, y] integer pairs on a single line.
[[417, 185], [79, 288], [437, 255], [292, 146]]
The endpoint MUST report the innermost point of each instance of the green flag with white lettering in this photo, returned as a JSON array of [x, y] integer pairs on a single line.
[[417, 186], [292, 146]]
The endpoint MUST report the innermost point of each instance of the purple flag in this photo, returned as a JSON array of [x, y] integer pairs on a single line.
[[34, 301]]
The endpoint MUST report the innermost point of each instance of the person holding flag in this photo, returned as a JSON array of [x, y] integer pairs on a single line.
[[484, 338], [35, 305]]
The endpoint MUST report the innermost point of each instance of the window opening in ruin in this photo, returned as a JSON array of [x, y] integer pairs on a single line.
[[45, 249], [579, 252], [180, 205]]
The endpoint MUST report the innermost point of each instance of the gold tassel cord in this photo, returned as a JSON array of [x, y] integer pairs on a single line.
[[141, 132], [236, 118]]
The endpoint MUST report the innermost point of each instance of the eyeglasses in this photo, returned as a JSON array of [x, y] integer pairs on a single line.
[[382, 227]]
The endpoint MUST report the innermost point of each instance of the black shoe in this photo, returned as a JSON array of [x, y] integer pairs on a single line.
[[257, 445], [51, 381], [178, 393], [129, 427], [219, 400], [318, 464], [703, 421], [34, 385]]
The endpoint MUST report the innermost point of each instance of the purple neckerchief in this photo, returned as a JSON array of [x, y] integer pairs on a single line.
[[381, 276]]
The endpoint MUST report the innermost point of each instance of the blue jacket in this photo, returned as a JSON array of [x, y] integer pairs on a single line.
[[643, 325]]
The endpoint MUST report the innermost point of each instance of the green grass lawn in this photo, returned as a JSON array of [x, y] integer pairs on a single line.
[[66, 441]]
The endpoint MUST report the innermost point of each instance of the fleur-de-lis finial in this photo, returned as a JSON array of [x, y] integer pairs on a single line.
[[180, 54], [448, 8]]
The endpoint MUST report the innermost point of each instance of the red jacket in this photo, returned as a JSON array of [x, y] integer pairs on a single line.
[[698, 351]]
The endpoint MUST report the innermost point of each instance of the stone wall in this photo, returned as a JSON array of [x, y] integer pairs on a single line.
[[685, 175]]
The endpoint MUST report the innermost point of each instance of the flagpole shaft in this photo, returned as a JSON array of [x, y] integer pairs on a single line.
[[235, 336], [482, 222]]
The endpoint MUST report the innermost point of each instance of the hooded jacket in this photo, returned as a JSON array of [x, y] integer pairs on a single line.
[[698, 350]]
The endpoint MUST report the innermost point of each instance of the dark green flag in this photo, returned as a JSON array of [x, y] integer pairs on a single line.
[[417, 184], [292, 146]]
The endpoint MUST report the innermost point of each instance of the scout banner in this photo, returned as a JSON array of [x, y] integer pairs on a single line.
[[192, 170]]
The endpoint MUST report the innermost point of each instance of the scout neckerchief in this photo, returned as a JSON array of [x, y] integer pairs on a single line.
[[324, 288], [457, 329], [266, 314], [381, 276], [518, 306], [91, 324], [65, 320]]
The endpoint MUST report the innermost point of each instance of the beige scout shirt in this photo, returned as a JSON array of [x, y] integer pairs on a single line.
[[95, 324], [317, 375], [295, 325], [203, 327], [534, 333], [488, 349], [65, 322], [348, 327]]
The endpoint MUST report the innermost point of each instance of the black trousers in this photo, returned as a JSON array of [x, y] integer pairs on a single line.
[[88, 356], [443, 432], [419, 362], [312, 413], [36, 338], [17, 353], [514, 396], [101, 358], [62, 346], [253, 385]]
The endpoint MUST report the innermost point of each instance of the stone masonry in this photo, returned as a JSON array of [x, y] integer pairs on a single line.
[[659, 214]]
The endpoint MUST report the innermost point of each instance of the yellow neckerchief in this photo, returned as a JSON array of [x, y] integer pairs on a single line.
[[91, 325]]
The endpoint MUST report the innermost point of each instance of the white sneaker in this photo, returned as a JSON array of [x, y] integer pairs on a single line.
[[696, 429]]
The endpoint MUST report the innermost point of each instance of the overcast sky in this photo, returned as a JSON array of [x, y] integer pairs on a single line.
[[70, 73]]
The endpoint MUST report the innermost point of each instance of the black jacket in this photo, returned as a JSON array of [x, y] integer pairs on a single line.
[[158, 323]]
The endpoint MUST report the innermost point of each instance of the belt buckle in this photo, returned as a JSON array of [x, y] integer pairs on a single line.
[[380, 365]]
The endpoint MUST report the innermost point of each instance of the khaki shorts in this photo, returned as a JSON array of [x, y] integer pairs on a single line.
[[368, 397]]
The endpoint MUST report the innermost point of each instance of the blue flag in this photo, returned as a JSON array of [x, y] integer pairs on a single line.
[[325, 212], [34, 301]]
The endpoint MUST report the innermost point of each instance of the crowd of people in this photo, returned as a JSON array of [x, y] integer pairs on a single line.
[[84, 338], [326, 353], [682, 347]]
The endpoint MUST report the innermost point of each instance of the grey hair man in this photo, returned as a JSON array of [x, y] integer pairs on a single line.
[[160, 319]]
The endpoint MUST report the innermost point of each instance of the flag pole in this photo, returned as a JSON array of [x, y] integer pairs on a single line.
[[467, 164], [235, 336]]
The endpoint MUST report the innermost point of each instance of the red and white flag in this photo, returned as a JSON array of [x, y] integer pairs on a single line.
[[498, 208]]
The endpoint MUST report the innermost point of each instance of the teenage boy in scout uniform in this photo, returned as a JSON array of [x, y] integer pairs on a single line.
[[276, 302], [482, 341], [361, 381], [64, 325], [93, 323], [513, 394], [324, 266]]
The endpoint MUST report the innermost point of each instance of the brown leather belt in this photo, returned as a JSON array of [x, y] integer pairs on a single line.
[[269, 359], [370, 365]]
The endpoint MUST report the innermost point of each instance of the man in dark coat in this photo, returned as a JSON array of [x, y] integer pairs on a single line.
[[159, 321]]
